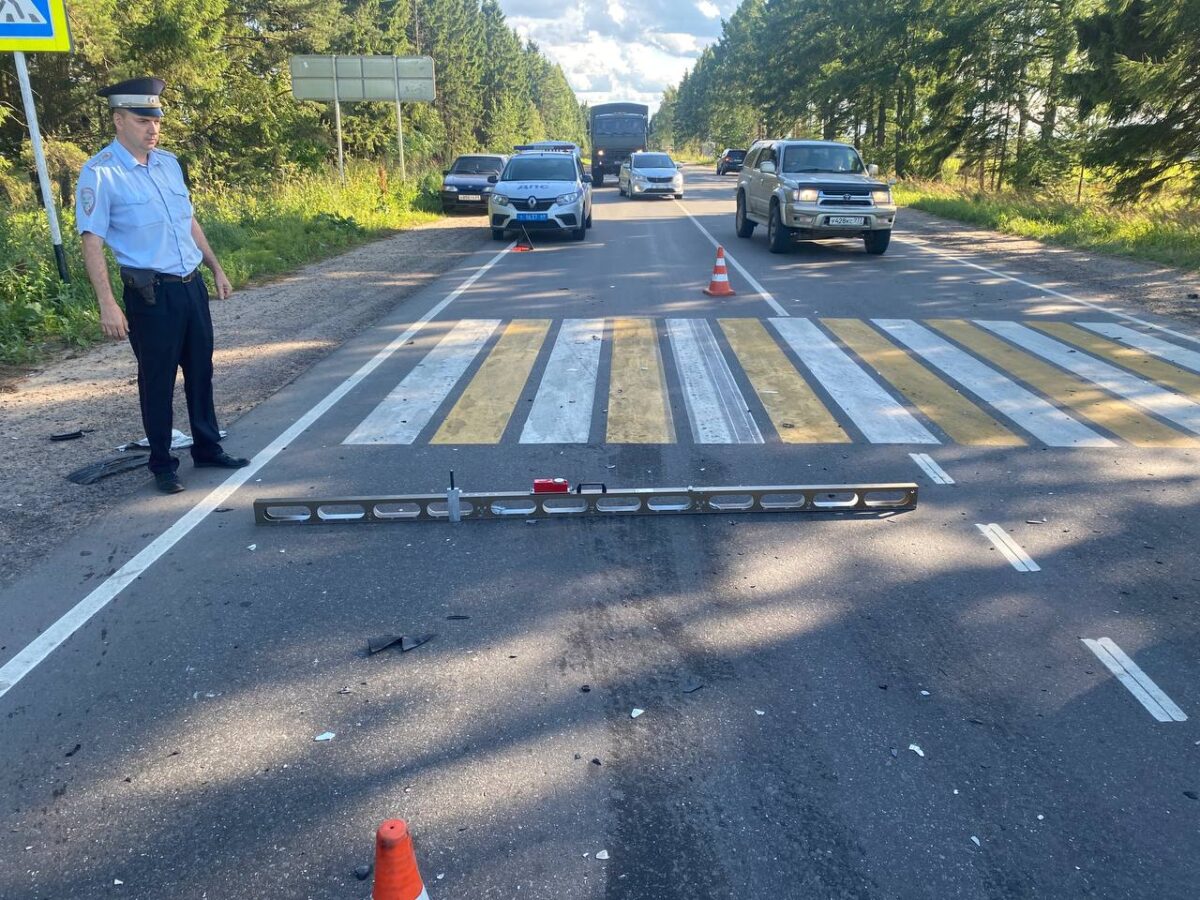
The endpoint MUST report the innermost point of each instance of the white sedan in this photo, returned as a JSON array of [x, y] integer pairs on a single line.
[[650, 174]]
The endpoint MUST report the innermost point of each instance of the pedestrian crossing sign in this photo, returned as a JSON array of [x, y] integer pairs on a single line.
[[34, 26]]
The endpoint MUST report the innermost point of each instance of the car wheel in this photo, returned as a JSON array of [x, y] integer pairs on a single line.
[[588, 222], [744, 226], [497, 234], [679, 196], [579, 234], [877, 241], [779, 236]]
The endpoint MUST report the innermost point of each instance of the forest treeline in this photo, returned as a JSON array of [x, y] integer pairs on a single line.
[[1010, 93], [230, 113]]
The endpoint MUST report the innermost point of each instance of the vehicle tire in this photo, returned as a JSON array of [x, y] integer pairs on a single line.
[[588, 221], [744, 226], [679, 196], [877, 241], [620, 189], [497, 234], [579, 234], [719, 172], [779, 236]]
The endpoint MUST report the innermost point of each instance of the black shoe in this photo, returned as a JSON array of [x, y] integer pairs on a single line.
[[221, 461], [168, 482]]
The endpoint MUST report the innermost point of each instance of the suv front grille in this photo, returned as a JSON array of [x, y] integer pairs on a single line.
[[657, 180], [844, 198]]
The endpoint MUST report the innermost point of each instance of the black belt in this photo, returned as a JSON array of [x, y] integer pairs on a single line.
[[184, 279]]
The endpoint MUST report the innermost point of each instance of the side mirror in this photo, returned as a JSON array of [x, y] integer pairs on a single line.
[[767, 168], [679, 165], [587, 179], [492, 179], [873, 170], [445, 171]]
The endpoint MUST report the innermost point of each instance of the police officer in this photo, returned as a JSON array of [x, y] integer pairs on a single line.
[[132, 197]]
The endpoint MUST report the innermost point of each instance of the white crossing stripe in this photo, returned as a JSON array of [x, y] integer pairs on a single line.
[[877, 414], [1175, 407], [1021, 561], [715, 406], [935, 472], [562, 409], [1040, 418], [1180, 356], [412, 403], [1149, 694]]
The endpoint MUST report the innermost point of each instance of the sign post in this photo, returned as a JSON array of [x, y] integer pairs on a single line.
[[364, 78], [37, 26]]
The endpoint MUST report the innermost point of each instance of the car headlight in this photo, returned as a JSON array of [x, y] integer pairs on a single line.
[[567, 198], [881, 198], [449, 188], [599, 152], [678, 179], [806, 195], [501, 199], [638, 177]]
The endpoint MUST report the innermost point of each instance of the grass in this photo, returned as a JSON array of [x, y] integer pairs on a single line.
[[256, 234], [1164, 231]]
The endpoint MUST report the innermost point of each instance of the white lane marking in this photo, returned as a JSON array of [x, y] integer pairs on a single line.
[[403, 413], [1021, 561], [1037, 287], [1043, 420], [1149, 694], [562, 408], [28, 658], [930, 467], [1176, 407], [762, 291], [880, 417], [716, 408], [1180, 356]]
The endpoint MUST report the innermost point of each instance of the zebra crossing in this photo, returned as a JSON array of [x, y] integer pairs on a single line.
[[637, 380]]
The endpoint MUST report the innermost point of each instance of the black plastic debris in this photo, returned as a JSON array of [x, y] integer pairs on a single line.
[[692, 685], [412, 643], [111, 465], [70, 435], [406, 641], [585, 688], [375, 644], [1191, 795], [362, 872], [457, 618]]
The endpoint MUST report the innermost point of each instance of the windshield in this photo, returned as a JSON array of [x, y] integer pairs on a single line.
[[735, 154], [651, 161], [540, 168], [620, 125], [818, 158], [477, 165]]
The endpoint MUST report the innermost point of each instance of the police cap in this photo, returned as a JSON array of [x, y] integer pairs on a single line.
[[138, 95]]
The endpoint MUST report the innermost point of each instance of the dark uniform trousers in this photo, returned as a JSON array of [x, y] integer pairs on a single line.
[[173, 332]]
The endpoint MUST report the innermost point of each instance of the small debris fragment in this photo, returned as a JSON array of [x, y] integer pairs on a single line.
[[975, 841], [1193, 296], [72, 751], [585, 688], [894, 752], [69, 435], [346, 690], [1191, 795], [883, 687], [325, 736], [117, 881], [382, 642], [362, 872], [636, 712], [412, 643], [1035, 521], [692, 685], [759, 712], [223, 509], [457, 618], [252, 547], [596, 761], [441, 875], [603, 854], [924, 693], [917, 750]]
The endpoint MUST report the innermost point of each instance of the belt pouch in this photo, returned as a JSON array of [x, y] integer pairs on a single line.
[[140, 280]]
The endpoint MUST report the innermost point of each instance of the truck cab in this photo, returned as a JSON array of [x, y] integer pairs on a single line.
[[617, 130]]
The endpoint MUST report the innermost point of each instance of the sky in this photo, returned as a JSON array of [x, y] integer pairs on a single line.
[[620, 49]]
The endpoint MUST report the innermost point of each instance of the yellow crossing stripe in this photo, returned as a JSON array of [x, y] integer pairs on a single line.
[[482, 412], [637, 393], [1145, 364], [794, 408], [1121, 418], [961, 419]]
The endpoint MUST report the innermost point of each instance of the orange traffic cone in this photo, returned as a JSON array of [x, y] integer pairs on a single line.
[[719, 285], [396, 875]]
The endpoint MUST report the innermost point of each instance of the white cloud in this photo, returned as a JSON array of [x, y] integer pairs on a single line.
[[616, 49]]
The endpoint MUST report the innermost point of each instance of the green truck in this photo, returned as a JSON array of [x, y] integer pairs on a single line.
[[616, 130]]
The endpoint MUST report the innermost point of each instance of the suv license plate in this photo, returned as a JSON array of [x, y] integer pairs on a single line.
[[531, 217], [470, 196], [847, 220]]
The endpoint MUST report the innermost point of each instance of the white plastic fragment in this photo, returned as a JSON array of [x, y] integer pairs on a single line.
[[325, 736], [924, 693], [917, 750], [252, 547], [603, 854], [759, 712], [117, 881], [975, 841], [441, 875], [636, 713]]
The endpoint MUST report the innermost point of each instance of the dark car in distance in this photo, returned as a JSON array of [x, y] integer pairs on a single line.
[[730, 160], [465, 185]]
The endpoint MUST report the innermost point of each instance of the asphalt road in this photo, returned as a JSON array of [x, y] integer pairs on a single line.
[[892, 706]]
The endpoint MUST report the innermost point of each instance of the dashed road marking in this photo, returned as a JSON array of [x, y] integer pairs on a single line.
[[1149, 694], [1021, 561], [930, 467]]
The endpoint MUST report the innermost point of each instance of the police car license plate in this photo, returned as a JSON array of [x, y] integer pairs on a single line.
[[531, 217], [470, 196], [847, 220]]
